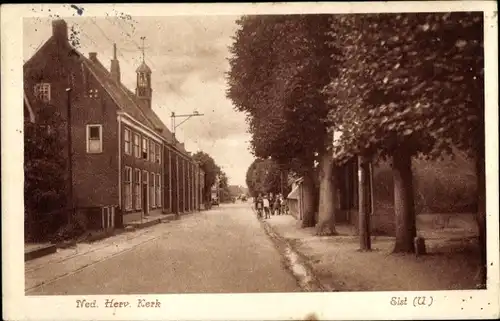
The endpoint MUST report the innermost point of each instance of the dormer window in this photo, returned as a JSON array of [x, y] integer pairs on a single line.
[[42, 91]]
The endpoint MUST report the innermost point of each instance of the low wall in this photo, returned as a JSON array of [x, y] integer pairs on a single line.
[[382, 222], [293, 208]]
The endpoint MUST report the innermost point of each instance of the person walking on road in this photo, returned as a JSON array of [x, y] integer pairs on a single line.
[[284, 208], [271, 203], [276, 205], [267, 210], [259, 205]]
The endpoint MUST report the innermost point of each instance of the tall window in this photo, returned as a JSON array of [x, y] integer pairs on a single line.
[[145, 148], [137, 147], [94, 138], [158, 190], [158, 153], [42, 91], [142, 80], [127, 141], [152, 190], [151, 150], [127, 180], [137, 189]]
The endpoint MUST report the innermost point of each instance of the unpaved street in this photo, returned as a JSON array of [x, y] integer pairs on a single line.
[[217, 251]]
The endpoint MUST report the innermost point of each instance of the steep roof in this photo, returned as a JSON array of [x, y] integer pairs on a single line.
[[143, 68], [128, 102], [28, 109], [294, 194], [124, 98]]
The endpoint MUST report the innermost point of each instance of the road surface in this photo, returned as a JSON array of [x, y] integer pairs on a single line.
[[218, 251]]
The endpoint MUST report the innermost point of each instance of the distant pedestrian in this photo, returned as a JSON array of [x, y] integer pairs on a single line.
[[267, 210], [259, 205], [284, 206], [276, 206], [272, 198]]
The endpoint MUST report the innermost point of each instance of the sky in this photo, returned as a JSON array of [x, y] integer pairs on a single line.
[[188, 57]]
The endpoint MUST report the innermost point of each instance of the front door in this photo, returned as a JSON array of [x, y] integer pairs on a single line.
[[145, 198]]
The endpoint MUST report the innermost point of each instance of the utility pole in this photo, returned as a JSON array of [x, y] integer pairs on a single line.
[[281, 181], [364, 204], [70, 156], [173, 116]]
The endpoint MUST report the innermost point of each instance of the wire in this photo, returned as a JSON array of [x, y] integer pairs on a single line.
[[118, 24], [147, 59], [126, 34], [128, 37]]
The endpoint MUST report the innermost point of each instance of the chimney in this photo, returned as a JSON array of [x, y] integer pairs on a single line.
[[60, 30], [93, 56], [115, 66]]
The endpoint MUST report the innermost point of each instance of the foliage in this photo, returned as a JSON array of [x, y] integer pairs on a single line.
[[225, 193], [278, 67], [408, 79], [44, 172], [211, 169], [71, 230], [263, 176], [440, 186]]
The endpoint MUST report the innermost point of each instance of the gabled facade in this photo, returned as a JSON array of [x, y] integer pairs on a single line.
[[124, 158]]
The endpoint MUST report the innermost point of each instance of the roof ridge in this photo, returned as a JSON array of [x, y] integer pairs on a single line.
[[38, 50], [121, 87], [130, 96]]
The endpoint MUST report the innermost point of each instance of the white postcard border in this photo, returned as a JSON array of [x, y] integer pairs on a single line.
[[350, 305]]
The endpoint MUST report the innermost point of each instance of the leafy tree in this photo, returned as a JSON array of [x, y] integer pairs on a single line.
[[264, 176], [410, 85], [211, 169], [249, 179], [44, 174], [279, 65], [224, 187]]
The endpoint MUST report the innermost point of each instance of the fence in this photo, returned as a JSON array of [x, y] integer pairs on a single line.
[[100, 217]]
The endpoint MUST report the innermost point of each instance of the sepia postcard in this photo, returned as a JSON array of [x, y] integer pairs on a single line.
[[250, 161]]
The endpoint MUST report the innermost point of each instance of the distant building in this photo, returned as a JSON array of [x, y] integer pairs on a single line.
[[295, 199], [125, 161]]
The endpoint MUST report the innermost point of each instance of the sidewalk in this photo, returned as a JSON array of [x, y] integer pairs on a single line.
[[451, 262], [67, 261]]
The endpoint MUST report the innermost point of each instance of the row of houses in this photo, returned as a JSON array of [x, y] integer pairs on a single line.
[[125, 163]]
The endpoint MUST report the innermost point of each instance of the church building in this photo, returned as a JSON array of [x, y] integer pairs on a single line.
[[125, 164]]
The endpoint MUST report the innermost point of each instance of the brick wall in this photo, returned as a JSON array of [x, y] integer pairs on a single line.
[[94, 175], [145, 165]]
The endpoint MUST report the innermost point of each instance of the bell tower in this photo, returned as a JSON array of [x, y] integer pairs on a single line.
[[143, 89]]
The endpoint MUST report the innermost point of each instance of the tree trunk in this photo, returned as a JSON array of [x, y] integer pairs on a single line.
[[363, 199], [327, 196], [308, 219], [404, 205], [481, 217]]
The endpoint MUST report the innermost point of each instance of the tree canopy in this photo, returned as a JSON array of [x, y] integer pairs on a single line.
[[410, 85], [407, 79], [279, 65], [263, 176], [211, 169]]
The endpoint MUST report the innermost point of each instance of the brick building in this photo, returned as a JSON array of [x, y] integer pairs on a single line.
[[126, 164]]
